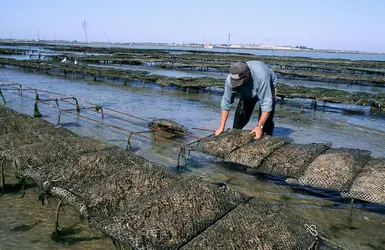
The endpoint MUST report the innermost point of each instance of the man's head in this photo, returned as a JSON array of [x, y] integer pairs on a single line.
[[239, 74]]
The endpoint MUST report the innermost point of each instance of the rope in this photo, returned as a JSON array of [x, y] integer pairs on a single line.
[[312, 229], [203, 129], [333, 243]]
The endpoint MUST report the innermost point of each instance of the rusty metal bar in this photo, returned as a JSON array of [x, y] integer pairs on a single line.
[[203, 129], [119, 112], [94, 109]]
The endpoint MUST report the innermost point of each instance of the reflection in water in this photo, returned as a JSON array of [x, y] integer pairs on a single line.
[[325, 209]]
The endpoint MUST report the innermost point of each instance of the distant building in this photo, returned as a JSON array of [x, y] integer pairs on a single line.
[[303, 47]]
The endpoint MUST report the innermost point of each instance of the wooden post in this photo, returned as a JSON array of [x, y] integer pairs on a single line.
[[36, 112], [129, 147], [314, 104], [351, 211], [2, 96], [179, 155], [55, 232], [2, 178]]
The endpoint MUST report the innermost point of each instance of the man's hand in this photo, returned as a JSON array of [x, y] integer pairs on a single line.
[[222, 124], [258, 132], [219, 131]]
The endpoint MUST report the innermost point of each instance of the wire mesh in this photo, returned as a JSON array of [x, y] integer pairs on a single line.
[[173, 216], [108, 180], [168, 126], [17, 139], [252, 154], [224, 143], [292, 160], [15, 123], [334, 170], [256, 224], [5, 112], [38, 154], [369, 185]]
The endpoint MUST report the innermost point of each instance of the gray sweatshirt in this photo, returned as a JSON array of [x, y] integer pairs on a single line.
[[261, 86]]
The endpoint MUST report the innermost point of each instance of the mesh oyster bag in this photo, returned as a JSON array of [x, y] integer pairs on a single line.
[[110, 180], [6, 111], [167, 125], [14, 140], [369, 185], [252, 155], [292, 160], [18, 123], [38, 154], [333, 170], [256, 224], [224, 143], [171, 217]]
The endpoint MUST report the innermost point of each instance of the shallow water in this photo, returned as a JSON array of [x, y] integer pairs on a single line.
[[268, 52], [20, 47], [46, 55], [165, 72], [340, 86], [310, 84], [79, 53], [26, 224], [17, 57], [187, 73], [327, 210]]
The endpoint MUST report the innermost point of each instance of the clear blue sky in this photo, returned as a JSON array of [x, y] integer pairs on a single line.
[[332, 24]]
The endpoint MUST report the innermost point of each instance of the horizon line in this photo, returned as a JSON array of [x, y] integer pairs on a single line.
[[223, 45]]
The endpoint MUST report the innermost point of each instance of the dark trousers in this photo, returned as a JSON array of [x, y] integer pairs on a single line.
[[244, 111]]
